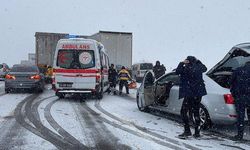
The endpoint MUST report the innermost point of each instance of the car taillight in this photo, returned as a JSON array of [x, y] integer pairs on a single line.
[[228, 99], [98, 77], [36, 77], [8, 76]]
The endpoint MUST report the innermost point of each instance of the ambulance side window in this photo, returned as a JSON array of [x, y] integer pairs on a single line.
[[102, 60]]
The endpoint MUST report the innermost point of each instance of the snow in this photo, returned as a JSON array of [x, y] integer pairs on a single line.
[[119, 115], [128, 112], [8, 103]]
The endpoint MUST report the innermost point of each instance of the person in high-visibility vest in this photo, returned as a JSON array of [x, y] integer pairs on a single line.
[[49, 74], [123, 76]]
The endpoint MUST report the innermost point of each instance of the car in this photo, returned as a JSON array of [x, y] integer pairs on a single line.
[[24, 77], [80, 67], [217, 107], [4, 68], [139, 69]]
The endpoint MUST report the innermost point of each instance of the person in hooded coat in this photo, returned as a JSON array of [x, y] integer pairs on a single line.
[[240, 90], [112, 77], [192, 88], [158, 69]]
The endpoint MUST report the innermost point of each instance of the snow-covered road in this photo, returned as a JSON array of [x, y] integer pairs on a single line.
[[42, 121]]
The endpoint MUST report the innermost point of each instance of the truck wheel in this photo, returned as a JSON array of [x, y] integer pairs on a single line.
[[60, 95]]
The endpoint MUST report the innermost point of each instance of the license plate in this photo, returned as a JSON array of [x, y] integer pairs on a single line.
[[65, 85]]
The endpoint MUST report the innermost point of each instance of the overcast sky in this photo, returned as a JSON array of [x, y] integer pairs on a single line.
[[165, 30]]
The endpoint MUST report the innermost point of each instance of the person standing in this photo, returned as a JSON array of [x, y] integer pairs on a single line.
[[192, 88], [240, 90], [112, 78], [123, 77], [158, 69]]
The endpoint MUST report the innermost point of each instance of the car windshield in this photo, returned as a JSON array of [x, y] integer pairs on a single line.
[[24, 69], [146, 66], [76, 59]]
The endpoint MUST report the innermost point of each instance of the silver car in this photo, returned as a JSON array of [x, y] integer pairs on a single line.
[[216, 107]]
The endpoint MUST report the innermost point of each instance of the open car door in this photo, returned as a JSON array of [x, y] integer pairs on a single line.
[[148, 83]]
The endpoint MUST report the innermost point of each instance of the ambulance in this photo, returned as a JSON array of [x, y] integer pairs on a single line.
[[80, 67]]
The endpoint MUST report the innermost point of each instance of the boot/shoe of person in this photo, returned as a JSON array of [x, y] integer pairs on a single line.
[[237, 137], [185, 134], [127, 92], [196, 135], [114, 92], [197, 132], [120, 93]]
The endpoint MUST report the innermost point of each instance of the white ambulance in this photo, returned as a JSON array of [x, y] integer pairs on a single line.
[[80, 67]]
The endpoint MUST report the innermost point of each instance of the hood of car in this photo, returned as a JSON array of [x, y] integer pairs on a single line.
[[236, 57]]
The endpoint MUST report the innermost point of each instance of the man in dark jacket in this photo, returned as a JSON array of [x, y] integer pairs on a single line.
[[192, 88], [159, 69], [240, 90], [112, 78]]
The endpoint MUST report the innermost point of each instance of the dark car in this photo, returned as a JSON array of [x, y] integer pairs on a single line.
[[24, 77]]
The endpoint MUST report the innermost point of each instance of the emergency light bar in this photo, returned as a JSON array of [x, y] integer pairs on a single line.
[[71, 36]]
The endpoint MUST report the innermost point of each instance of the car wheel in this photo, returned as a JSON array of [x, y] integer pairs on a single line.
[[139, 104], [204, 118], [39, 90]]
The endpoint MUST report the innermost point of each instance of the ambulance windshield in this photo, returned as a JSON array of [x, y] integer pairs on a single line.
[[75, 59]]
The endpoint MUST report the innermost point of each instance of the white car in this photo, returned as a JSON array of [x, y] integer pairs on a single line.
[[216, 107]]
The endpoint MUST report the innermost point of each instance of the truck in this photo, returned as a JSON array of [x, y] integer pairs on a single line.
[[117, 44]]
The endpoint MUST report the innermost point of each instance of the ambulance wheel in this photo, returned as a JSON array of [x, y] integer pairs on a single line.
[[99, 95], [7, 90], [60, 95]]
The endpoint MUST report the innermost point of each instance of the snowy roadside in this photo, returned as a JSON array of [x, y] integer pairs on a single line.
[[9, 102], [128, 112]]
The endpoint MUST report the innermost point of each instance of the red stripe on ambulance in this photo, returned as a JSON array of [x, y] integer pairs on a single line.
[[76, 70]]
